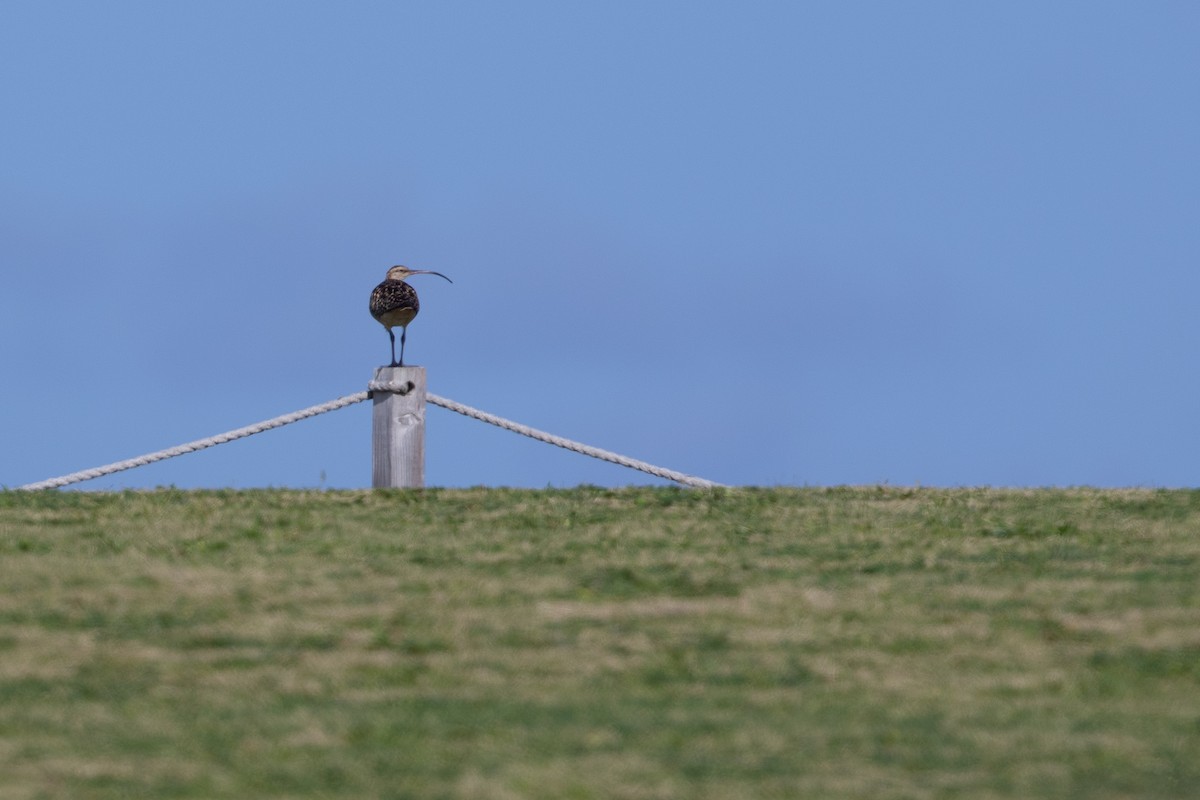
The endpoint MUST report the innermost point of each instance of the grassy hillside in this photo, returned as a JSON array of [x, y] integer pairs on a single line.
[[641, 643]]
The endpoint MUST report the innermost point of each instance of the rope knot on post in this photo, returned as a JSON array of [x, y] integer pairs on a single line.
[[390, 386]]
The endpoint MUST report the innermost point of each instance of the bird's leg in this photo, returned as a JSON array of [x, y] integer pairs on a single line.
[[393, 338], [403, 336]]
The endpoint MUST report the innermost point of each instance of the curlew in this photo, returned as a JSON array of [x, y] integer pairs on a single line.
[[394, 303]]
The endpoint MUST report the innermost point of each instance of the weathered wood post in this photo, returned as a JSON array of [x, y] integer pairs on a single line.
[[398, 428]]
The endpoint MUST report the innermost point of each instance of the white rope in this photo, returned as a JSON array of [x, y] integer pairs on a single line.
[[351, 399], [558, 441], [384, 386], [199, 444]]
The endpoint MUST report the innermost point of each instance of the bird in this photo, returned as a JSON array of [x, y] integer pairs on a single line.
[[394, 303]]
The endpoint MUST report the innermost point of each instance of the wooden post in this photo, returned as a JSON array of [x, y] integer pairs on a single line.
[[398, 429]]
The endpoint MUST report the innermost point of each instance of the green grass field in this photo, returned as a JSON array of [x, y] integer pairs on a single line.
[[638, 643]]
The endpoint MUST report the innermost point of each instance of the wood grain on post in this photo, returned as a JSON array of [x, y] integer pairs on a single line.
[[398, 428]]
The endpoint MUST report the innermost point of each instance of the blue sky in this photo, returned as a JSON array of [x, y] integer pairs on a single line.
[[765, 243]]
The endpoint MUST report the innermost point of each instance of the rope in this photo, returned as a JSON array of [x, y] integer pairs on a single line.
[[199, 444], [385, 386], [351, 399], [558, 441]]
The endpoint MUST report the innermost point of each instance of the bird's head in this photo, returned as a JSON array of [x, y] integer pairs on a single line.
[[400, 272]]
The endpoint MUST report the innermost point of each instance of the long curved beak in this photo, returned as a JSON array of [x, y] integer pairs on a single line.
[[428, 272]]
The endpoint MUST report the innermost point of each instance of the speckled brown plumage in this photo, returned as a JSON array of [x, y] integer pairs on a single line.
[[394, 303]]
